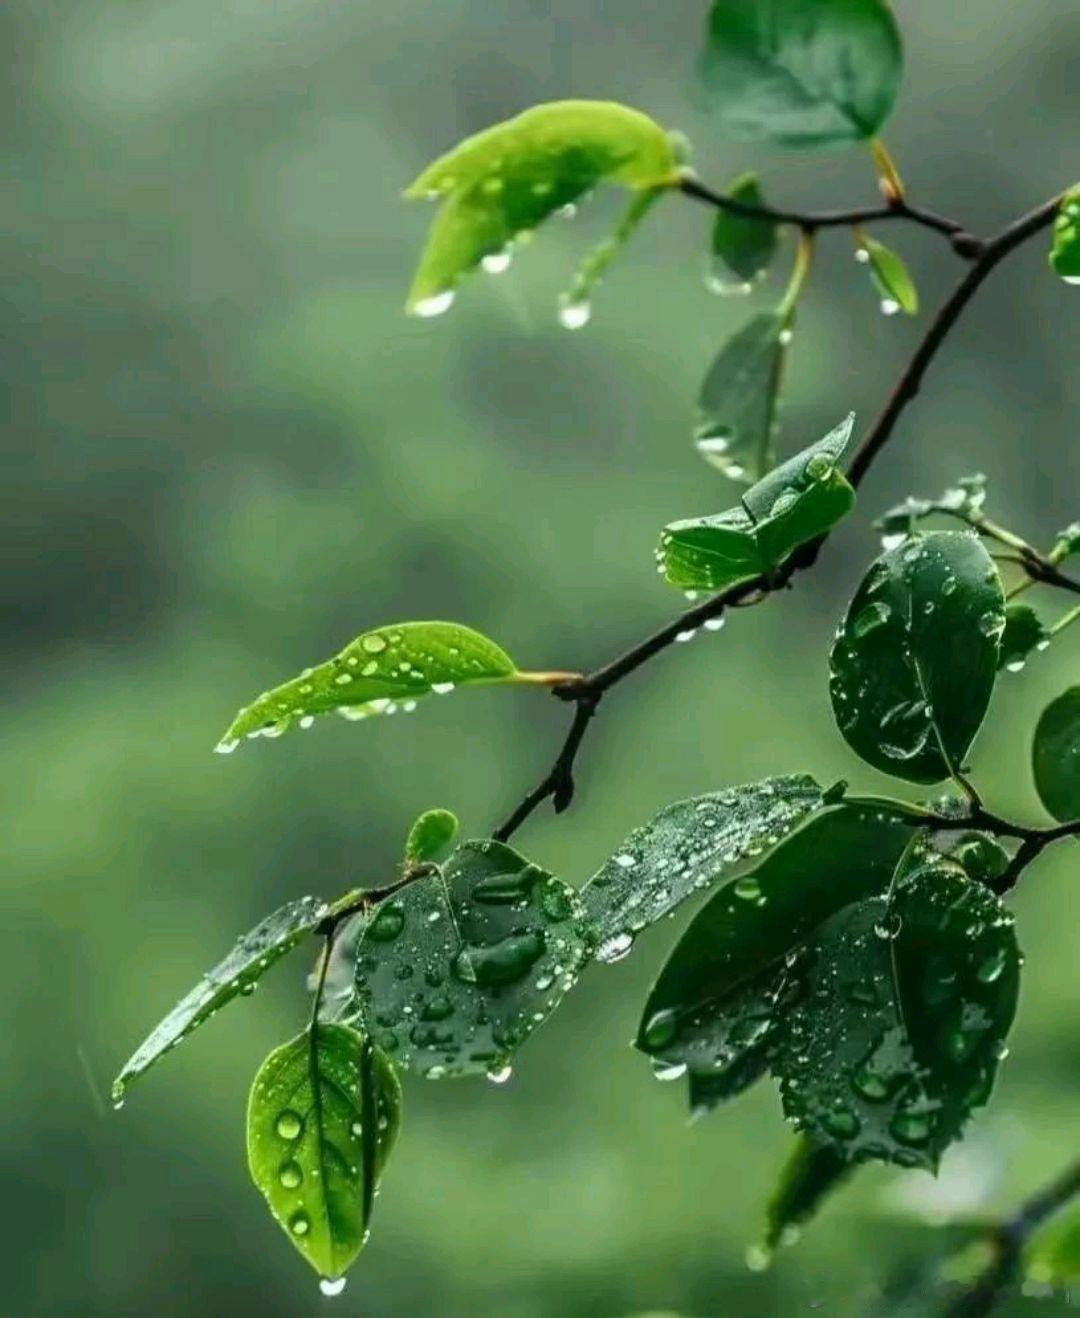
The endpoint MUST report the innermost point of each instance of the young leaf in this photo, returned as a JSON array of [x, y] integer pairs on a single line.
[[456, 970], [724, 986], [575, 306], [1024, 632], [1065, 252], [812, 1171], [429, 837], [504, 182], [802, 73], [742, 245], [1053, 1256], [237, 974], [964, 499], [737, 402], [382, 670], [913, 665], [906, 1000], [685, 847], [1056, 756], [890, 274], [794, 503], [322, 1119]]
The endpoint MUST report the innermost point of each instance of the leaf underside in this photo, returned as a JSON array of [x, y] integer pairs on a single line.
[[737, 401], [1056, 756]]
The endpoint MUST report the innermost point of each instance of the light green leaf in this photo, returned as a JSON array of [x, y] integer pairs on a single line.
[[737, 402], [794, 503], [429, 837], [458, 968], [1065, 252], [237, 974], [742, 245], [1056, 756], [499, 185], [913, 666], [802, 73], [322, 1119], [1053, 1256], [811, 1173], [383, 670], [1024, 633], [905, 1003], [894, 282], [684, 848]]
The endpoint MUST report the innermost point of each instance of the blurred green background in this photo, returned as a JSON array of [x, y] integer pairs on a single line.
[[227, 452]]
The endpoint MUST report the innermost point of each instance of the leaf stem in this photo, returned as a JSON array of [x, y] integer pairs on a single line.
[[889, 180], [804, 259]]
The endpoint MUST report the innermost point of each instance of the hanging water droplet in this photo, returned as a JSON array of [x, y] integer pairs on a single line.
[[889, 306], [574, 315], [862, 255], [786, 335], [669, 1070], [499, 1075], [496, 263], [442, 688], [331, 1286], [687, 635], [227, 746], [714, 624], [434, 306], [724, 283]]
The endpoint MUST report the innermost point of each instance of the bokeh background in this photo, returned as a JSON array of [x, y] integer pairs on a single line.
[[227, 451]]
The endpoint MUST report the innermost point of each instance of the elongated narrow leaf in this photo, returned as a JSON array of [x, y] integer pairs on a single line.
[[380, 672], [237, 974], [322, 1119], [913, 666], [743, 246], [737, 402], [1065, 252], [684, 848], [907, 999], [802, 73], [1024, 633], [429, 837], [1056, 756], [811, 1173], [726, 982], [892, 278], [456, 970], [794, 503], [503, 183]]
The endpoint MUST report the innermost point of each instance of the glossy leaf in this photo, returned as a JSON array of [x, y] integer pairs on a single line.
[[811, 1173], [737, 402], [914, 663], [726, 982], [1056, 756], [457, 969], [429, 837], [802, 73], [1053, 1256], [236, 974], [1065, 251], [683, 849], [501, 184], [322, 1119], [890, 274], [1024, 633], [794, 503], [383, 670], [742, 246], [907, 998]]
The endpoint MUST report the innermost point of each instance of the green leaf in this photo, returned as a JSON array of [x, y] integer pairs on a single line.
[[1056, 756], [429, 837], [982, 858], [913, 665], [802, 73], [1024, 633], [236, 974], [965, 499], [499, 185], [685, 847], [1065, 251], [322, 1119], [890, 274], [811, 1172], [709, 1090], [458, 968], [1053, 1256], [725, 984], [737, 402], [906, 1001], [793, 504], [383, 670], [742, 245]]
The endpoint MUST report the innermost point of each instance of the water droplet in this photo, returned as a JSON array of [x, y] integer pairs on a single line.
[[757, 1258], [889, 306], [714, 624], [289, 1125], [669, 1070], [331, 1286], [290, 1174], [990, 969], [687, 635], [442, 688], [625, 861], [227, 746], [748, 889], [387, 924], [574, 315], [841, 1123], [299, 1224], [614, 948], [496, 263], [819, 467], [862, 255], [434, 306], [660, 1028], [499, 1075], [373, 644], [870, 619], [785, 336], [724, 283]]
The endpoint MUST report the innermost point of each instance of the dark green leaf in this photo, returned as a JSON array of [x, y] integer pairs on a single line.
[[725, 983], [802, 73], [982, 858], [812, 1171], [1053, 1256], [1024, 632], [742, 245], [711, 1089], [684, 848], [737, 402], [322, 1119], [894, 282], [429, 837], [1056, 756], [238, 973], [794, 503], [502, 183], [456, 970], [380, 672], [1065, 252], [913, 666], [907, 1000]]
